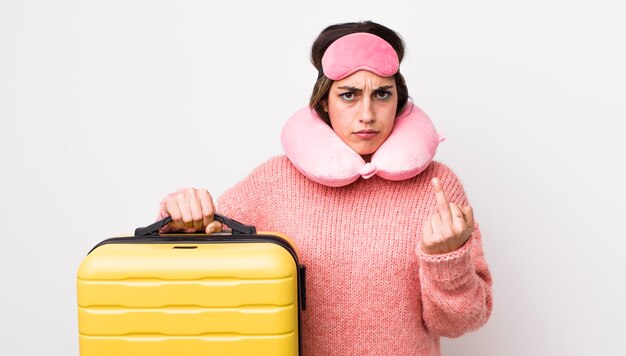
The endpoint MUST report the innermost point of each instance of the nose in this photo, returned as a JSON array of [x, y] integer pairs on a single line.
[[367, 111]]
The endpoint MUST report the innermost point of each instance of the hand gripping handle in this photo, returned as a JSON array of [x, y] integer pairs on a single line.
[[237, 227]]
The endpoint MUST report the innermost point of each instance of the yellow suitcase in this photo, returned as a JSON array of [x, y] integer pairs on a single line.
[[238, 293]]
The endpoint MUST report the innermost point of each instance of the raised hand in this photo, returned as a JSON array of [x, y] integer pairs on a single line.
[[449, 227]]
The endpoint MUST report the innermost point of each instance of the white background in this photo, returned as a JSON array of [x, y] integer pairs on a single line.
[[106, 106]]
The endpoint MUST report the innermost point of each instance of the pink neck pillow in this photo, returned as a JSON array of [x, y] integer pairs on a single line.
[[317, 152]]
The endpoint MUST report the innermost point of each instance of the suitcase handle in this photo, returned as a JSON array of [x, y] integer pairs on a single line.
[[236, 226]]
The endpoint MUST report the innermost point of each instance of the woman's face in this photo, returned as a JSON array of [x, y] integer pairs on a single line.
[[362, 110]]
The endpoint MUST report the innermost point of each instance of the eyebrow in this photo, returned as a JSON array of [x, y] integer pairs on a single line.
[[358, 90]]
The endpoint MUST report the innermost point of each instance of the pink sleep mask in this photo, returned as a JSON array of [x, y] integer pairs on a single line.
[[317, 152], [358, 51]]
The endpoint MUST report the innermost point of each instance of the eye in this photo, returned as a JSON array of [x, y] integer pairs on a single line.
[[382, 94], [349, 96]]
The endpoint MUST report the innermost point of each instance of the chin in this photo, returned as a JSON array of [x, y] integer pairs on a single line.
[[366, 152]]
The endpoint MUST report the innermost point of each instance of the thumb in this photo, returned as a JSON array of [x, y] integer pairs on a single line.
[[468, 215], [214, 226]]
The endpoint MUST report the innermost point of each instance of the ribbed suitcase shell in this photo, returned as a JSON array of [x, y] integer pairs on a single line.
[[190, 296]]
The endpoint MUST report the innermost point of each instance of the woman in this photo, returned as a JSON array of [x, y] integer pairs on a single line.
[[394, 258]]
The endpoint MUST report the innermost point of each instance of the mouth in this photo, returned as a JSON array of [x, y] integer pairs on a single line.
[[366, 134]]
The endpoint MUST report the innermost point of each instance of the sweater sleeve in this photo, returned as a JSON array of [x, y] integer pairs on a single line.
[[235, 203], [247, 200], [456, 286]]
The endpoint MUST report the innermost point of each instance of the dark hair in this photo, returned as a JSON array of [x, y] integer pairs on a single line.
[[319, 96]]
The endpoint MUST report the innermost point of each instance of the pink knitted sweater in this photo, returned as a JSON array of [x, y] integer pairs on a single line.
[[370, 289]]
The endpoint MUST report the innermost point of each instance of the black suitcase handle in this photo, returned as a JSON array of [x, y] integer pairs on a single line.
[[236, 226]]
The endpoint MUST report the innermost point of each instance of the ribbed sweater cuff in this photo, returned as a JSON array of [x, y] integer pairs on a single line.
[[449, 267]]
